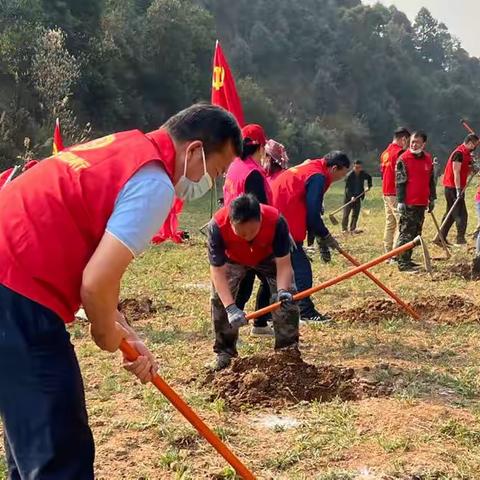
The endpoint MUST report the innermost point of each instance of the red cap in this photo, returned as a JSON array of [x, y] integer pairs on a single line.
[[255, 133]]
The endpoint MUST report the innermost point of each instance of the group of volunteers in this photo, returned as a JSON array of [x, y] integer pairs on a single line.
[[70, 227], [409, 190]]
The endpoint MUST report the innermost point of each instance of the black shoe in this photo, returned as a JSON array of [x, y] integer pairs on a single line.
[[409, 267], [315, 318], [436, 241], [461, 241]]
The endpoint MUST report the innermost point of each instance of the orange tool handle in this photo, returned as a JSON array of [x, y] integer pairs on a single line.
[[467, 126], [375, 280], [340, 278], [131, 354]]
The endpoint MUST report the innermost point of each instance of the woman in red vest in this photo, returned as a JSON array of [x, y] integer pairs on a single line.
[[247, 175], [243, 237], [416, 192], [276, 160], [455, 180], [68, 231]]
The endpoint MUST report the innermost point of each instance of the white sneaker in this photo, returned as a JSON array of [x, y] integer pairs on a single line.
[[262, 331]]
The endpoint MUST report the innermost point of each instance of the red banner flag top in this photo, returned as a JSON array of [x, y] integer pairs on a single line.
[[224, 91], [57, 138]]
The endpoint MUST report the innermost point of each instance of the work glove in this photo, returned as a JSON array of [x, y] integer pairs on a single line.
[[459, 193], [431, 206], [352, 199], [284, 296], [331, 242], [402, 208], [236, 317]]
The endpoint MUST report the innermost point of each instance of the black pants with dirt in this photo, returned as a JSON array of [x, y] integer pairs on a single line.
[[285, 319], [42, 403], [410, 226], [352, 210], [459, 216], [262, 299]]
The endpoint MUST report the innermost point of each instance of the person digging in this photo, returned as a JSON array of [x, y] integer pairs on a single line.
[[415, 193], [243, 237]]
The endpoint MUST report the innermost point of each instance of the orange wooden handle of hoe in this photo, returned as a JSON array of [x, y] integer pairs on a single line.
[[377, 282], [340, 278], [131, 354]]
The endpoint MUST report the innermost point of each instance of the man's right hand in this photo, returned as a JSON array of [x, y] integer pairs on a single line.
[[401, 208], [236, 317], [145, 366], [459, 193], [331, 242]]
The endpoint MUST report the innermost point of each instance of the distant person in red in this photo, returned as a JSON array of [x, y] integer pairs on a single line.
[[455, 178], [5, 175], [388, 162], [416, 193], [247, 175], [298, 194], [69, 228], [276, 160]]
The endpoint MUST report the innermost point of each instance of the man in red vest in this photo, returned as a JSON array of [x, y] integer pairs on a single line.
[[248, 236], [415, 193], [298, 194], [69, 228], [455, 180], [388, 162]]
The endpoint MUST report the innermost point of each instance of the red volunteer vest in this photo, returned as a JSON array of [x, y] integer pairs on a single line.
[[249, 253], [288, 192], [448, 178], [388, 162], [419, 171], [54, 215], [236, 177]]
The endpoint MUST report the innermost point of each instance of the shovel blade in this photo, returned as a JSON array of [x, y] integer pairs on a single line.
[[426, 256], [333, 219]]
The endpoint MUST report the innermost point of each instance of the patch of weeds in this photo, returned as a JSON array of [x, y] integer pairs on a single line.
[[393, 325], [283, 461], [161, 337], [3, 469], [247, 349], [224, 432], [228, 473], [394, 444], [455, 430], [78, 330], [154, 401], [352, 349], [218, 406], [109, 387], [336, 475], [181, 437]]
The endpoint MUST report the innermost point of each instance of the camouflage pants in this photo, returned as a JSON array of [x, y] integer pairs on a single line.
[[285, 319], [410, 226]]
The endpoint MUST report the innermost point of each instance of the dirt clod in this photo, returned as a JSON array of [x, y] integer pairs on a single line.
[[281, 378], [452, 309], [458, 270], [136, 309]]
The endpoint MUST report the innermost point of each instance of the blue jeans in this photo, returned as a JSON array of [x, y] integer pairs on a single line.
[[42, 403], [303, 279]]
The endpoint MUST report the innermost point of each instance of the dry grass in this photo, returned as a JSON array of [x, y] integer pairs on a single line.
[[430, 426]]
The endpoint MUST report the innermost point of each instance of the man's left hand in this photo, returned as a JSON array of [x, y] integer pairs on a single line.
[[431, 206], [285, 297], [145, 366]]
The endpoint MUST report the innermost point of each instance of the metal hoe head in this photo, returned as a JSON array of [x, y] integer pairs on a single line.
[[333, 219], [426, 254]]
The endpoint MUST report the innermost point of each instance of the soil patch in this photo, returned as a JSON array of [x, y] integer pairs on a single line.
[[458, 270], [281, 378], [136, 309], [452, 309]]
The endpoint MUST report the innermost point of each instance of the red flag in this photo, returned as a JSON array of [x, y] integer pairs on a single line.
[[224, 91], [169, 230], [57, 138]]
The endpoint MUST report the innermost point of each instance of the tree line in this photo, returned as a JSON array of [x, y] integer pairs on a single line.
[[318, 74]]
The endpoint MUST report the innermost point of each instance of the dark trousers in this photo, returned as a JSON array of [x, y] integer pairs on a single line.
[[285, 319], [42, 402], [262, 300], [303, 279], [354, 210], [459, 216], [410, 226]]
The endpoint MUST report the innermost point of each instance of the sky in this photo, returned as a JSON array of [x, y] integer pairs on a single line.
[[460, 16]]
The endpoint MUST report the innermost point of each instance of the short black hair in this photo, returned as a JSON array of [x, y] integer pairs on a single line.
[[244, 208], [471, 137], [401, 132], [249, 148], [337, 159], [358, 162], [421, 134], [211, 124]]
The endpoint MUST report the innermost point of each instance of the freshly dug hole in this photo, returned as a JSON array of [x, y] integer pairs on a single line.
[[136, 309], [277, 379]]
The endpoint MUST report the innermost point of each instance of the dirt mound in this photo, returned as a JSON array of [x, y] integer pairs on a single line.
[[136, 309], [374, 311], [281, 378], [458, 270], [451, 309]]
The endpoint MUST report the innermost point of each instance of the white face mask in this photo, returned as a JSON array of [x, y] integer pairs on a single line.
[[187, 189], [417, 152]]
